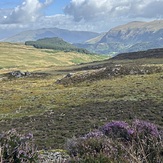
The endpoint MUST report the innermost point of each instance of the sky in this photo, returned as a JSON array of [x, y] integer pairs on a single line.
[[85, 15]]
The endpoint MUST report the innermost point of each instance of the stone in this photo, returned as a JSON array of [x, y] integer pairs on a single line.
[[19, 74], [69, 75]]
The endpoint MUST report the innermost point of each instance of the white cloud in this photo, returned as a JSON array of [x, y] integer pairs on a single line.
[[100, 9], [48, 2], [27, 12], [91, 15], [67, 22]]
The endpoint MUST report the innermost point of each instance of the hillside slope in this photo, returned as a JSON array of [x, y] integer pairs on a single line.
[[152, 53], [26, 57]]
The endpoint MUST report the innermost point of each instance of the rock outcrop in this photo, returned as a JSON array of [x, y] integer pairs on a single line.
[[108, 72]]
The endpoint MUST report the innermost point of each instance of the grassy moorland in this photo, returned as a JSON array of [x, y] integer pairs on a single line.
[[17, 56], [54, 111]]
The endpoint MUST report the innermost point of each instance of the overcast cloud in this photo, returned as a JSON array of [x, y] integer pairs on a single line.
[[92, 15]]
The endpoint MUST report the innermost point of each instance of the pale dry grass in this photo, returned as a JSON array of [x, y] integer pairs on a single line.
[[18, 56]]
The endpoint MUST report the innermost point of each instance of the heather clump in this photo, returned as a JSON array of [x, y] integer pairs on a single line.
[[93, 149], [118, 141], [147, 142], [117, 129], [94, 134], [16, 148], [145, 128]]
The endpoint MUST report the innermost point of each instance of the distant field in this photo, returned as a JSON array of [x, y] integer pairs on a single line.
[[28, 58]]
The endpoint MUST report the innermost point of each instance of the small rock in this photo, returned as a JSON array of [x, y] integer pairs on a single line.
[[69, 75], [19, 74]]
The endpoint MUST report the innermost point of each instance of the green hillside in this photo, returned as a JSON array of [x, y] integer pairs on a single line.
[[55, 43]]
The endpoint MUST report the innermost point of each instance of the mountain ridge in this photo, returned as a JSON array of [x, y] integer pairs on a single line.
[[67, 35], [133, 36], [134, 32], [130, 37]]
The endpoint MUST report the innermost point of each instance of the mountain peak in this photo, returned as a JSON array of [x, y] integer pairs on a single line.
[[150, 26]]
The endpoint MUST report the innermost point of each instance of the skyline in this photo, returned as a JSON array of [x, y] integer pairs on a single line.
[[85, 15]]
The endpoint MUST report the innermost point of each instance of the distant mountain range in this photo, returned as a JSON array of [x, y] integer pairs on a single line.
[[134, 36], [67, 35]]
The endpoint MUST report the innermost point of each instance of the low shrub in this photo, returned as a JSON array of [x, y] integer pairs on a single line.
[[117, 129], [147, 142], [118, 141], [16, 148]]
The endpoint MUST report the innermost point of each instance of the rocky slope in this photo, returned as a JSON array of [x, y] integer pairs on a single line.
[[115, 67]]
